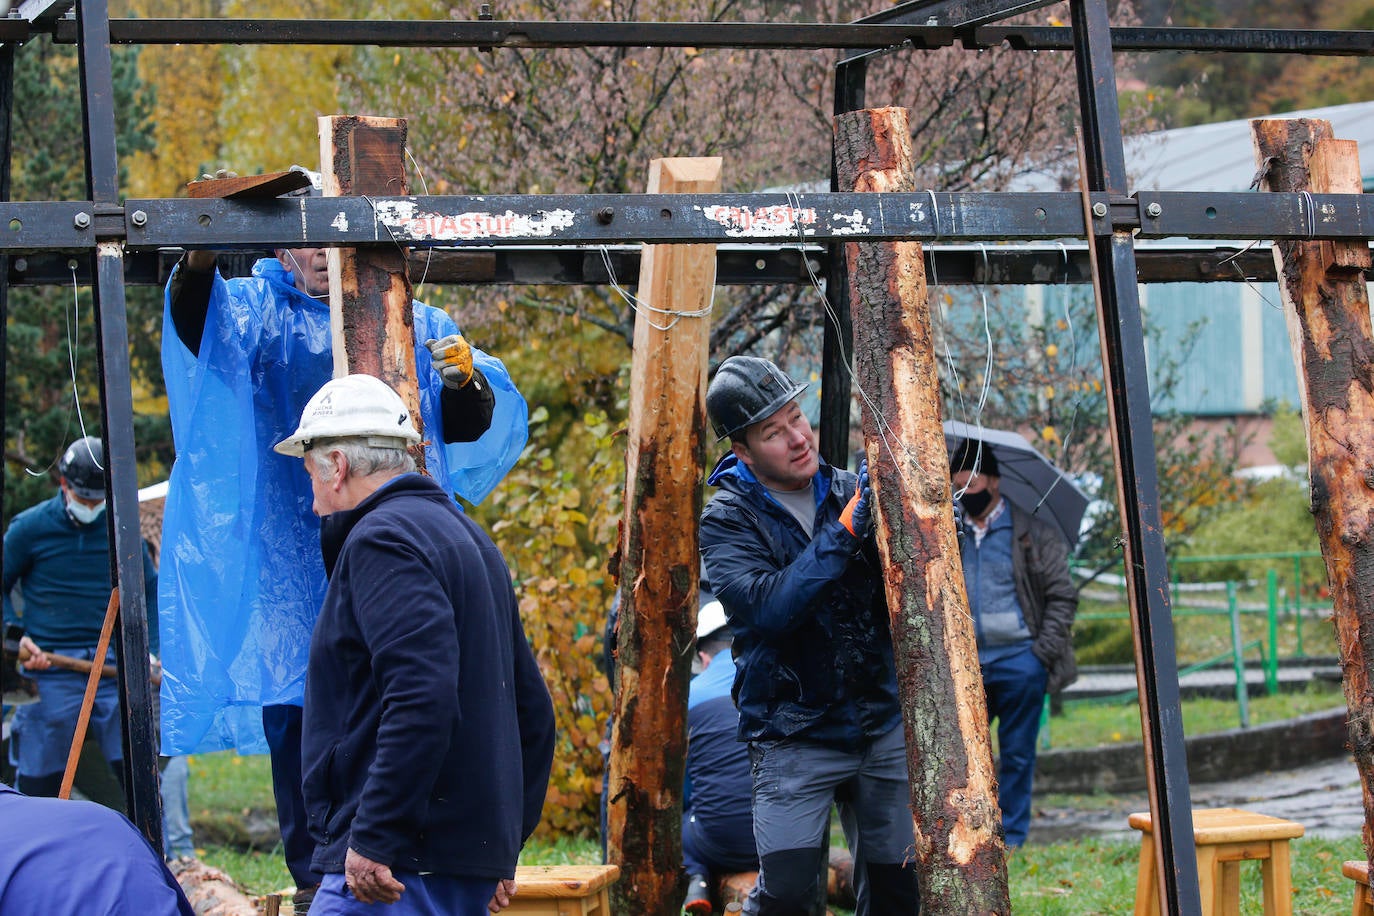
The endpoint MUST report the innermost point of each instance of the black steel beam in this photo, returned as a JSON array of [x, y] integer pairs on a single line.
[[954, 13], [1122, 335], [1018, 265], [837, 341], [117, 411], [1330, 42], [6, 142], [747, 35], [769, 218], [448, 33]]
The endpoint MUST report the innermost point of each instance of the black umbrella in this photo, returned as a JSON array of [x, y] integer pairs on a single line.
[[1028, 479]]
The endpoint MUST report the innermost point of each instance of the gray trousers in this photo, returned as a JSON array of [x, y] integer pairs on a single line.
[[795, 784]]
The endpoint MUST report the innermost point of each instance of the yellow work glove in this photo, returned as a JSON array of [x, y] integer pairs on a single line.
[[452, 358]]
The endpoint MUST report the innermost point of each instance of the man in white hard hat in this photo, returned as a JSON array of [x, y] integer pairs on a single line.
[[428, 731]]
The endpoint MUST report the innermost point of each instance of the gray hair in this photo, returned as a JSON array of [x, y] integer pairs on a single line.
[[364, 460]]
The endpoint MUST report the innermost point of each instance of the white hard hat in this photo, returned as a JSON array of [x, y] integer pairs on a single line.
[[710, 618], [360, 406]]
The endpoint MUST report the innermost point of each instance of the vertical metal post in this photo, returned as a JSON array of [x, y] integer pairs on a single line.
[[1271, 668], [6, 148], [117, 412], [1147, 573], [837, 347]]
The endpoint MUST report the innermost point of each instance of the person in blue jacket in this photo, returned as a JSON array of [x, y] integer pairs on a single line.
[[67, 856], [428, 735], [57, 558], [789, 555], [242, 580], [717, 817]]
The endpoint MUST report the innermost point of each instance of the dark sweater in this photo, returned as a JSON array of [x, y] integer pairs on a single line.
[[428, 735], [62, 570]]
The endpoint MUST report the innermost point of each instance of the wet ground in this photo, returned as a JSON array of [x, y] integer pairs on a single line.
[[1323, 797]]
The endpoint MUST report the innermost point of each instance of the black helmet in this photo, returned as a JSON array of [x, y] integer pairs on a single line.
[[745, 390], [83, 467]]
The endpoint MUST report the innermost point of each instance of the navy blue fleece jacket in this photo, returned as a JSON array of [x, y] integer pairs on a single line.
[[428, 734]]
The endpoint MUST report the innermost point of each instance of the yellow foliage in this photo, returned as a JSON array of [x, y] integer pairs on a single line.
[[558, 556]]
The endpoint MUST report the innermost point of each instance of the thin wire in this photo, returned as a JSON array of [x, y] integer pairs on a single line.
[[424, 186], [885, 431], [72, 320], [643, 308]]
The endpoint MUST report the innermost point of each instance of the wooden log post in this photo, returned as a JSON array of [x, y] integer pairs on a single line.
[[1326, 302], [370, 296], [658, 558], [959, 851]]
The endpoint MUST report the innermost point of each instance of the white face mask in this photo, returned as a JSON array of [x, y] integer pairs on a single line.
[[83, 514]]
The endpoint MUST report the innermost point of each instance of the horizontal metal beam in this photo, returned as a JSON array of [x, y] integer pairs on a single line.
[[765, 36], [962, 265], [582, 219], [444, 33], [1330, 42], [955, 12]]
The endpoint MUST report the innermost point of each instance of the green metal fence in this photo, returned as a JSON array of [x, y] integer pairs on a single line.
[[1285, 604]]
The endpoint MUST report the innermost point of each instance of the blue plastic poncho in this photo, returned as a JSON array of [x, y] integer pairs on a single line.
[[241, 580]]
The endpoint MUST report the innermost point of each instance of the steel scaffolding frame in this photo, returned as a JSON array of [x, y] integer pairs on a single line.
[[764, 238]]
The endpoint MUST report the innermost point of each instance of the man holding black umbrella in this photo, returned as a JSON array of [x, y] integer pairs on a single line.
[[1023, 603]]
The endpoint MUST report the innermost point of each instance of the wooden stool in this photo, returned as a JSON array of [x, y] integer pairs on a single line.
[[1224, 838], [563, 890], [1364, 897]]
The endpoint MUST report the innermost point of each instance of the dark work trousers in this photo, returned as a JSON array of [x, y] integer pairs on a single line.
[[1015, 688], [282, 725], [795, 784]]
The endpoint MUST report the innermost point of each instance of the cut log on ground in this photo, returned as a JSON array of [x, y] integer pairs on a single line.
[[210, 891], [659, 558], [370, 296], [959, 852], [1326, 302]]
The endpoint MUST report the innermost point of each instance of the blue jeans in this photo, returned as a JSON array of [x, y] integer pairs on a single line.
[[176, 810], [1015, 688], [425, 895], [795, 783]]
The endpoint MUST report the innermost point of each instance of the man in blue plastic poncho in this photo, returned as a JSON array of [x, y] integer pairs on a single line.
[[242, 579]]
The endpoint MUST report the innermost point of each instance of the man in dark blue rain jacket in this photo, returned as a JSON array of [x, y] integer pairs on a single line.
[[787, 550]]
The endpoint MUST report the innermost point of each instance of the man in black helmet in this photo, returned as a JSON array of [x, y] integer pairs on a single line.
[[57, 563], [787, 548]]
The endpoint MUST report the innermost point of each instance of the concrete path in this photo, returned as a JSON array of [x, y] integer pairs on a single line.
[[1323, 797]]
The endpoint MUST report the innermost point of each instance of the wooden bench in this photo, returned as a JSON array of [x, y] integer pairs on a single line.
[[1358, 871], [563, 890], [1224, 838]]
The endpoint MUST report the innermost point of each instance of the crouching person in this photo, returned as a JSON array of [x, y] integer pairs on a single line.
[[428, 731]]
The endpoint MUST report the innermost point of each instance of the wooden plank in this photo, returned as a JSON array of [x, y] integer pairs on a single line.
[[658, 557], [370, 297], [269, 184], [1330, 335], [959, 851]]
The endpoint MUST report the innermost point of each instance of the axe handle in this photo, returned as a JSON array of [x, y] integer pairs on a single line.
[[79, 664]]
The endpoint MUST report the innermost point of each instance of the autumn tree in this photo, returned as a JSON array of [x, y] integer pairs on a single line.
[[52, 376]]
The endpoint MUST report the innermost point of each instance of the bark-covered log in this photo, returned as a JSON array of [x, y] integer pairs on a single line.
[[959, 851], [370, 309], [1326, 302], [210, 891], [658, 558]]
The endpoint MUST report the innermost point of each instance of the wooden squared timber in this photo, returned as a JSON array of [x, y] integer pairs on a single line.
[[1335, 168], [563, 890]]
